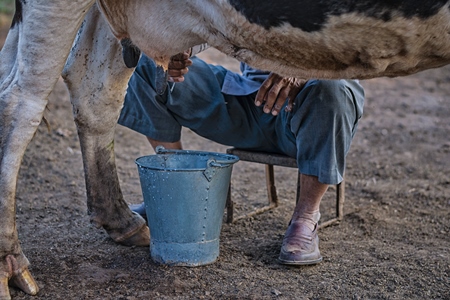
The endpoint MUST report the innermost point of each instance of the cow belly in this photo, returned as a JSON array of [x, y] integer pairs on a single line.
[[347, 46], [346, 43]]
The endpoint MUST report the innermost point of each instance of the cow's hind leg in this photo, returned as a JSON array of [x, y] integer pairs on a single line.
[[30, 64], [97, 78]]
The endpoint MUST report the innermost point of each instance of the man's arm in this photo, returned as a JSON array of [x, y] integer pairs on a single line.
[[273, 92]]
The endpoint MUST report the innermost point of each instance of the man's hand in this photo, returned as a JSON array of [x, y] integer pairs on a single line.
[[275, 90], [178, 66]]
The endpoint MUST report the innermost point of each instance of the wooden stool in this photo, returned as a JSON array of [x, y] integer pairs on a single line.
[[270, 160]]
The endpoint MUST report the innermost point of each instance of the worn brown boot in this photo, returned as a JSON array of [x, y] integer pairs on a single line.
[[301, 243]]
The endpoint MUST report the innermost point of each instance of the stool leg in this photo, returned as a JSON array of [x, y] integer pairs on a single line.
[[229, 206], [298, 188], [270, 183], [340, 198]]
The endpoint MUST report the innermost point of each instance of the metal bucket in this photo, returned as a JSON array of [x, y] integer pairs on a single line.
[[185, 195]]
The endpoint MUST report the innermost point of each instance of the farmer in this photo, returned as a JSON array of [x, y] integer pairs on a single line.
[[248, 111]]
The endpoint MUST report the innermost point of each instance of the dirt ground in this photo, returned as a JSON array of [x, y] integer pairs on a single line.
[[392, 244]]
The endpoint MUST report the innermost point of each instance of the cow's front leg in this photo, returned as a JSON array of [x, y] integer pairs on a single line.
[[31, 61], [20, 115], [97, 78], [19, 118]]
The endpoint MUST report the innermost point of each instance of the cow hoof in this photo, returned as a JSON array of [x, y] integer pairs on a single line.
[[24, 280], [4, 290], [141, 238], [20, 278], [136, 234]]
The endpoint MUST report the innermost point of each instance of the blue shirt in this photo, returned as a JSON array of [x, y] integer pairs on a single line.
[[242, 85], [248, 83]]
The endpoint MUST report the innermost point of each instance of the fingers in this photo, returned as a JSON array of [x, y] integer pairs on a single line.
[[180, 56], [290, 104], [275, 90], [261, 96], [177, 75], [272, 93], [298, 85], [268, 89], [179, 64], [276, 98], [178, 67]]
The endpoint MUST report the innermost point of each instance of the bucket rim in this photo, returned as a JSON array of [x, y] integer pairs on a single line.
[[227, 159]]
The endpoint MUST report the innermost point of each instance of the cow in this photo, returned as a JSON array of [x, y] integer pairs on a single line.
[[96, 44]]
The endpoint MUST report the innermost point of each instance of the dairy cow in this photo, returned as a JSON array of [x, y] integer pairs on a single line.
[[82, 39]]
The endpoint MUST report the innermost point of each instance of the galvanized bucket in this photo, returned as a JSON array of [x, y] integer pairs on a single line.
[[185, 195]]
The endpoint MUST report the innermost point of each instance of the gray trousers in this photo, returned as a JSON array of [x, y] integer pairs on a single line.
[[317, 132]]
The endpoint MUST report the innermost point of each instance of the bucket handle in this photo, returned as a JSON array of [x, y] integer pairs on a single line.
[[160, 150], [211, 162], [211, 166]]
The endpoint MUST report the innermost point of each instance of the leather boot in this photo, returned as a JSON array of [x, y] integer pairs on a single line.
[[301, 243]]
